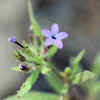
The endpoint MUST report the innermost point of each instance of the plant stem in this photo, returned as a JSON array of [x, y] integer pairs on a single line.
[[56, 72]]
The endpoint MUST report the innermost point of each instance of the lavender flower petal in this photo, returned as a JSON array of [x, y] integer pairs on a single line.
[[55, 28], [62, 35], [49, 42], [46, 32], [59, 44], [12, 39]]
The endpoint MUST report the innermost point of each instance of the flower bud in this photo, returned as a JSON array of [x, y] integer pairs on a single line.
[[67, 70], [22, 67], [12, 39]]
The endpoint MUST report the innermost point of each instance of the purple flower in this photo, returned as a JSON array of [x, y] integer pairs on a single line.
[[12, 39], [54, 36]]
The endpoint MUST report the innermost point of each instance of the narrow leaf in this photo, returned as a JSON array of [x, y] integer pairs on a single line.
[[31, 58], [51, 51], [36, 96], [44, 69], [16, 69], [28, 83], [96, 65], [76, 62], [83, 77], [56, 83], [35, 26]]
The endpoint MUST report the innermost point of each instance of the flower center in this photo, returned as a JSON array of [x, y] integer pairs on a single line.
[[53, 37]]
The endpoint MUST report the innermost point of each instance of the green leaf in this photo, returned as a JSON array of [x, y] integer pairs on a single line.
[[35, 26], [95, 87], [94, 90], [16, 69], [29, 58], [28, 83], [44, 69], [83, 77], [56, 83], [36, 96], [76, 62], [51, 51], [96, 65]]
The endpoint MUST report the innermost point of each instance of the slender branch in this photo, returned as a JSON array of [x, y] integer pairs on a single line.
[[56, 72]]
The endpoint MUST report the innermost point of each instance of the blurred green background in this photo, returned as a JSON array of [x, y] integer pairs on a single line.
[[80, 18]]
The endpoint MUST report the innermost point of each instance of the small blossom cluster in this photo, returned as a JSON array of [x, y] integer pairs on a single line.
[[53, 37]]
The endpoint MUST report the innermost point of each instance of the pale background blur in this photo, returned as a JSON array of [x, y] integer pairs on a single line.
[[80, 18]]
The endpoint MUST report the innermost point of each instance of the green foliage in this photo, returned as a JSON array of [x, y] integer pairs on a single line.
[[51, 51], [56, 83], [44, 69], [16, 69], [27, 85], [35, 26], [83, 77], [76, 63], [35, 96], [37, 57], [29, 57], [96, 87], [96, 66]]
